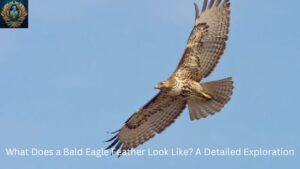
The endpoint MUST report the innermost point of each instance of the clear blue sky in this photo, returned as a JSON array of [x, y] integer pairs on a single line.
[[83, 67]]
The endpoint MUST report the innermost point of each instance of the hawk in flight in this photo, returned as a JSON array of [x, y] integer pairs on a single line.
[[204, 48]]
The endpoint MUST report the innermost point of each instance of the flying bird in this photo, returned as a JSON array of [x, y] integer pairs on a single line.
[[204, 48]]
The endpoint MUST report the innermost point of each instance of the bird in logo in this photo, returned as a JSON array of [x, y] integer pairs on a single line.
[[14, 13], [204, 48]]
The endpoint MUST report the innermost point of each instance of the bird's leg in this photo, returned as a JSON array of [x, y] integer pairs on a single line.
[[199, 91]]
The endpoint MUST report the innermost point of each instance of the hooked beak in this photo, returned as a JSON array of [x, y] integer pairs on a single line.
[[157, 86]]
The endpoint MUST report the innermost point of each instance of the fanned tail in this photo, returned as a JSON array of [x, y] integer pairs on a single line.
[[219, 90]]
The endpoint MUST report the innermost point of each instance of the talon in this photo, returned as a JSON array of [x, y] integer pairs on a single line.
[[207, 96]]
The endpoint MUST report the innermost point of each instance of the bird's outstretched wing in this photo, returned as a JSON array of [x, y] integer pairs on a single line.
[[154, 117], [207, 40]]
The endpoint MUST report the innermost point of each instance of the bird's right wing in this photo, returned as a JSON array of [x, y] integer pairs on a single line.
[[207, 40]]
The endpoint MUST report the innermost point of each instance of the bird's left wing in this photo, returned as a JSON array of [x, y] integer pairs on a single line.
[[207, 40], [154, 117]]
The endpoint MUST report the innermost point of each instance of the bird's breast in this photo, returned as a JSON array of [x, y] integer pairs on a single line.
[[180, 88]]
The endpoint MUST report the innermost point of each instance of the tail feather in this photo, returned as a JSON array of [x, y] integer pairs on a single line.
[[220, 90]]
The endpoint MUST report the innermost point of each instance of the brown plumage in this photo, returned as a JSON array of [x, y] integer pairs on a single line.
[[205, 46]]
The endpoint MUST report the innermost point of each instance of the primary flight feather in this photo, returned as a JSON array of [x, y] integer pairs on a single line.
[[204, 48]]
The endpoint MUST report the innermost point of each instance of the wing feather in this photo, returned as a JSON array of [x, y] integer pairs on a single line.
[[159, 113], [211, 4], [204, 6], [207, 41]]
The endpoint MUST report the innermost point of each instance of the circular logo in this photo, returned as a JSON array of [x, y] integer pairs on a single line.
[[14, 13]]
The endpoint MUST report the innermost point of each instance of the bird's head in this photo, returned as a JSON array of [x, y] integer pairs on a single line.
[[164, 85]]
